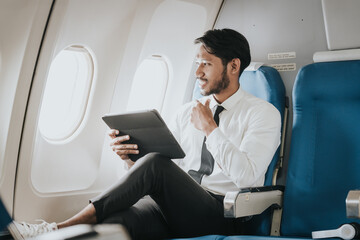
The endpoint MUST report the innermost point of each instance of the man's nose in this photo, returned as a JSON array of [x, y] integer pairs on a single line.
[[199, 72]]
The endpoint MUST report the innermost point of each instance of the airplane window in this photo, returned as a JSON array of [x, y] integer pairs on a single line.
[[66, 93], [149, 85]]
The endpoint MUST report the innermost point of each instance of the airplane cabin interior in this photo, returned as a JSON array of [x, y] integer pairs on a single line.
[[66, 63]]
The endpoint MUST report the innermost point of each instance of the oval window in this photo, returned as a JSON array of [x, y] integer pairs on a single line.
[[66, 93], [149, 85]]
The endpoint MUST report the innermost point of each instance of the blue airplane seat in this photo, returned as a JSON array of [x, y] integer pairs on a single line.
[[266, 83], [324, 162], [324, 157], [263, 82]]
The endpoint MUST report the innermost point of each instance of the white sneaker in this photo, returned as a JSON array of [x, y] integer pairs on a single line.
[[32, 230]]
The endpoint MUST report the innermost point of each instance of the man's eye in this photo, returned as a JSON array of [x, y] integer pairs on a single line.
[[204, 63]]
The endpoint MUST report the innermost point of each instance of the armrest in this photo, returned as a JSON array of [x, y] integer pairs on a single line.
[[353, 204], [252, 201]]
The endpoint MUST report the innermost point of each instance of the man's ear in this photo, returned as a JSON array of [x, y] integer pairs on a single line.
[[235, 66]]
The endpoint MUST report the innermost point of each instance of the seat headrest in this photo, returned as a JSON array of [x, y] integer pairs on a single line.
[[333, 56]]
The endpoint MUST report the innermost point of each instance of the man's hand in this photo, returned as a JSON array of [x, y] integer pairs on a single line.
[[202, 117], [122, 149]]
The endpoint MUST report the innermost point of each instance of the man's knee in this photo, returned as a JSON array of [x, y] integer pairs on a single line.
[[155, 160], [155, 169]]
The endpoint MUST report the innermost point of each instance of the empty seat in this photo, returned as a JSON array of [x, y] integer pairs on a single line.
[[324, 162], [324, 157]]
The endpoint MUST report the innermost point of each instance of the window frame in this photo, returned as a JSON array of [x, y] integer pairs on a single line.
[[162, 59], [90, 61]]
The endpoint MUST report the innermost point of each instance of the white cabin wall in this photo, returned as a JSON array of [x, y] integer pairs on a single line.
[[169, 31], [167, 28], [58, 178], [278, 26], [120, 93], [22, 24], [120, 34], [56, 174]]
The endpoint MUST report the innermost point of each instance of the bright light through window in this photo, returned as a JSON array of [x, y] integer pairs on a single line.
[[149, 85], [66, 93]]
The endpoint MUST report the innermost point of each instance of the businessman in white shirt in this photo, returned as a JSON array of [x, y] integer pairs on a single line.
[[229, 138]]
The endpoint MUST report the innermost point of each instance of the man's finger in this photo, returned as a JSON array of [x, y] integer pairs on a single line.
[[118, 140], [125, 146], [113, 132], [207, 103], [126, 152]]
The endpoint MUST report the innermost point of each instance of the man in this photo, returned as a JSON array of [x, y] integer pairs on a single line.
[[229, 138]]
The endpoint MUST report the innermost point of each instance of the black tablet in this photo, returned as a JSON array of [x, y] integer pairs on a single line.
[[148, 130]]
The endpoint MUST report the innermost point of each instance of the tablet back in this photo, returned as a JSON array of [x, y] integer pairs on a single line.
[[148, 130]]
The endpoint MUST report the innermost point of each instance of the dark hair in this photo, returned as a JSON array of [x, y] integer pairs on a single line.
[[227, 44]]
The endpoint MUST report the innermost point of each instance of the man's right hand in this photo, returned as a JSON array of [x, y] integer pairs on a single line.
[[121, 149]]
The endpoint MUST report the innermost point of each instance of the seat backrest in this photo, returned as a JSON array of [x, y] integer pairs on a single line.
[[263, 82], [266, 83], [324, 161]]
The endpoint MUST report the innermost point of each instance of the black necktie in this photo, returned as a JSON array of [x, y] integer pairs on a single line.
[[207, 160]]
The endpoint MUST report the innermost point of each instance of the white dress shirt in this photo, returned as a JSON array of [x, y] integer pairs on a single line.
[[242, 146]]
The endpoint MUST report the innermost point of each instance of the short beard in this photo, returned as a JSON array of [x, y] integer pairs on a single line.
[[220, 85]]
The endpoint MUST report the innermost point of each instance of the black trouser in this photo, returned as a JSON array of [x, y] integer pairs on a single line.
[[177, 207]]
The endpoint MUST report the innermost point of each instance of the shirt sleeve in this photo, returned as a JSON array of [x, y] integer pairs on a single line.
[[246, 163]]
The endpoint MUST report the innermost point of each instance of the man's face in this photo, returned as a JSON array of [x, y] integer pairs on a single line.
[[211, 73]]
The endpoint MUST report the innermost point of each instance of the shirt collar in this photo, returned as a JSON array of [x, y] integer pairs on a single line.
[[230, 102]]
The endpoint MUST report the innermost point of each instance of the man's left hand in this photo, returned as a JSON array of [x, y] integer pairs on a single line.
[[202, 117]]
